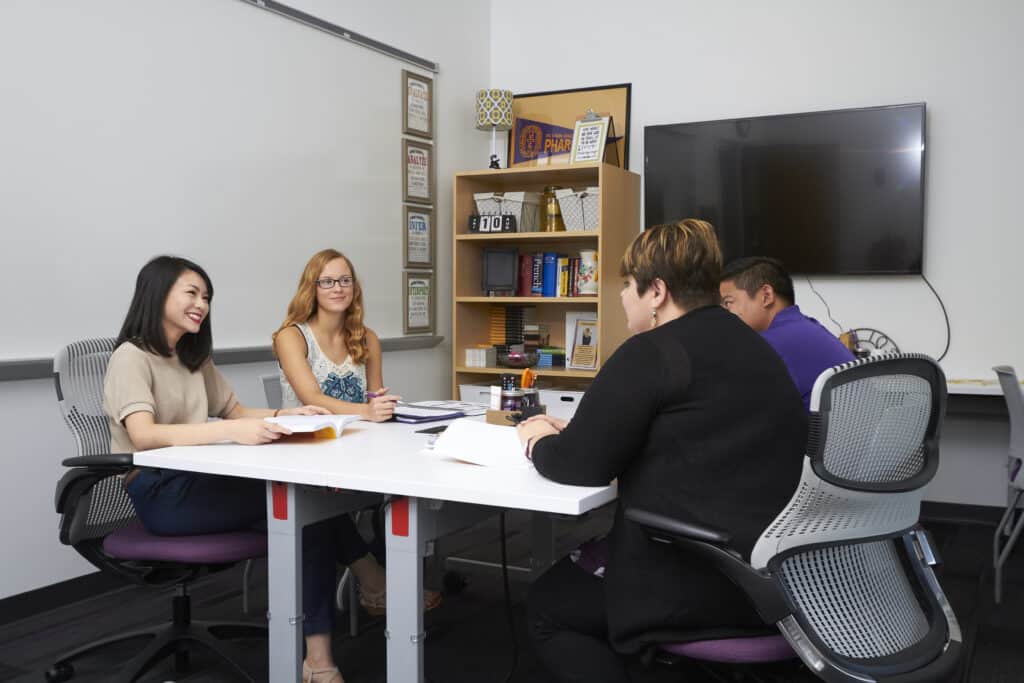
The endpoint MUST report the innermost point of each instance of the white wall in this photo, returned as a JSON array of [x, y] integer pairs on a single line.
[[33, 437], [692, 60], [711, 59]]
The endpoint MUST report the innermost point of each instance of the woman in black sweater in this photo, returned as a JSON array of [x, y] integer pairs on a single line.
[[697, 418]]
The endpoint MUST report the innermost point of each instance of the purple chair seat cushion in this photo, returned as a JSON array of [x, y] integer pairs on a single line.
[[773, 648], [133, 542]]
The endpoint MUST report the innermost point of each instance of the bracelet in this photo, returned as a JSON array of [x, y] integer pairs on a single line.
[[528, 454], [276, 412]]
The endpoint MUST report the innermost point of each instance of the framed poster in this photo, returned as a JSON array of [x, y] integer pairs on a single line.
[[584, 346], [588, 140], [417, 303], [418, 105], [418, 172], [543, 123], [418, 238]]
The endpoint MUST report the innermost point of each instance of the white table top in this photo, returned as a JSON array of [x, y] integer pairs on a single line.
[[383, 458]]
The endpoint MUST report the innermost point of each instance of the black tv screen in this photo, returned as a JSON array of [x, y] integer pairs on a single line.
[[834, 192]]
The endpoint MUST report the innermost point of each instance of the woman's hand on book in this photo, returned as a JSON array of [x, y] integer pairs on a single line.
[[381, 406], [252, 431], [304, 410]]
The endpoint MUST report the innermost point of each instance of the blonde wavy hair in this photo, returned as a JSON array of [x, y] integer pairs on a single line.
[[303, 305]]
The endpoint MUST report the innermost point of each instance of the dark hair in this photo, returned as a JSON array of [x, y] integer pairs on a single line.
[[144, 324], [753, 272], [684, 255]]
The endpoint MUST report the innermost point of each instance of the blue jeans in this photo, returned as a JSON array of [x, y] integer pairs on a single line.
[[173, 503]]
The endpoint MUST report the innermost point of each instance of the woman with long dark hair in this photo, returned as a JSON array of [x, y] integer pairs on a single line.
[[160, 389]]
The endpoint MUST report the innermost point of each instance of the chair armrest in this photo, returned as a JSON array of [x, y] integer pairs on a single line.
[[86, 471], [676, 528], [114, 461], [711, 545]]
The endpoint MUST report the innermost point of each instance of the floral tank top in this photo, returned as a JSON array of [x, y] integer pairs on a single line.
[[345, 381]]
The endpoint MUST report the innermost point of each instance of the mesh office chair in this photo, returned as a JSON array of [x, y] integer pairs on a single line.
[[844, 571], [99, 521], [346, 595], [1012, 522]]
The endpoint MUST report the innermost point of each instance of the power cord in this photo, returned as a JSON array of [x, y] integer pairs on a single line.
[[828, 310], [508, 600], [944, 315]]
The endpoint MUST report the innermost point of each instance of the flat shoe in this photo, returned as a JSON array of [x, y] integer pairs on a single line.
[[308, 674], [376, 603]]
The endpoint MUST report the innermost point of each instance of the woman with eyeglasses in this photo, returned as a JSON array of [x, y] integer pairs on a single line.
[[160, 388], [329, 358]]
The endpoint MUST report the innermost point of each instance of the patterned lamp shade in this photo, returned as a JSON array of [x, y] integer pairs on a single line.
[[494, 109]]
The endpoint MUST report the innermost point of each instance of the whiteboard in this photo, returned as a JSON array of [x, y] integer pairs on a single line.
[[201, 128]]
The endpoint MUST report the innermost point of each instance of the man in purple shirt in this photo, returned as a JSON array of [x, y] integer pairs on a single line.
[[760, 291]]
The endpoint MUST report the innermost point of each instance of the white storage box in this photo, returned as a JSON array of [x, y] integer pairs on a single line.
[[560, 404], [475, 393], [525, 206], [579, 208]]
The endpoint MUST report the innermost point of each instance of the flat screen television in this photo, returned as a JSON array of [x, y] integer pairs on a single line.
[[833, 192]]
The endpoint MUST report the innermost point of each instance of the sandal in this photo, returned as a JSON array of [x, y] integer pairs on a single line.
[[376, 603], [310, 673]]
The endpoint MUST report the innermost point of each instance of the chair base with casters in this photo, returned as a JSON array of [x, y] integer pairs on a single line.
[[176, 638], [158, 561]]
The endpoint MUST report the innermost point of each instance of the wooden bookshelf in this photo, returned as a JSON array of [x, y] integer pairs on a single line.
[[618, 223]]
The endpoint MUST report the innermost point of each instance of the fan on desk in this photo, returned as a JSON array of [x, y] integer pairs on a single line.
[[867, 341]]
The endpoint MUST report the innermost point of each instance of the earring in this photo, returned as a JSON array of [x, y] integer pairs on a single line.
[[654, 317]]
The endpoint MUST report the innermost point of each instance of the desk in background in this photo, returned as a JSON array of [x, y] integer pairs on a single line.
[[437, 495]]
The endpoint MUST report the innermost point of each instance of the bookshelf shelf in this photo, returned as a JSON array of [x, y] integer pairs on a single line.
[[618, 223], [530, 300], [540, 372], [527, 236]]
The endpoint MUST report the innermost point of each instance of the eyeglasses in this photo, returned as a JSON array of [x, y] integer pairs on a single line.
[[329, 282]]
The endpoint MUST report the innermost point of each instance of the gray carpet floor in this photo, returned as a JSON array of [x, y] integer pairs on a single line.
[[469, 638]]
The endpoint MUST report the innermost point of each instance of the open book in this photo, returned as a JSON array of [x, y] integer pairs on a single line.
[[482, 444], [320, 426]]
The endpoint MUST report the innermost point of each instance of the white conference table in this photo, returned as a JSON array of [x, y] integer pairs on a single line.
[[434, 496]]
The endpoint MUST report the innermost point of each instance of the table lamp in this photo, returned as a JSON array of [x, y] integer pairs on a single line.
[[494, 113]]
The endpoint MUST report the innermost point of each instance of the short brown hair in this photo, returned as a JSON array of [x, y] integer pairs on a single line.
[[684, 255]]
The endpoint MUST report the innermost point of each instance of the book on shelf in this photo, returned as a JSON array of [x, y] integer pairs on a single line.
[[537, 275], [320, 426], [550, 274], [563, 276], [525, 275]]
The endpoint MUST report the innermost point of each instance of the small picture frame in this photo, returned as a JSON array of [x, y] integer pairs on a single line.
[[418, 238], [418, 109], [585, 345], [417, 303], [589, 139], [417, 172]]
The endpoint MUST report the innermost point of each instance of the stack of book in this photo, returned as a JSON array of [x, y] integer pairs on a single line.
[[496, 329], [535, 335]]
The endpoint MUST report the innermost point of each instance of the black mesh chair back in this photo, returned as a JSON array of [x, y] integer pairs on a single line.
[[853, 566], [79, 369]]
